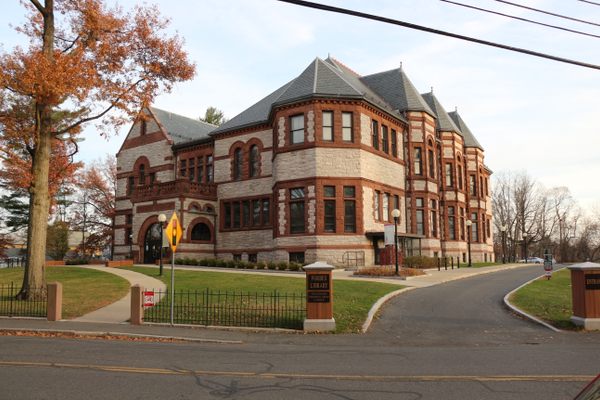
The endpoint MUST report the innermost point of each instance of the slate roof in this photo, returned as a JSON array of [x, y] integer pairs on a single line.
[[443, 120], [469, 138], [182, 129], [322, 78], [395, 87]]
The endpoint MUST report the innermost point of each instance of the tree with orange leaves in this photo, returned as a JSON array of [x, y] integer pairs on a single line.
[[84, 62]]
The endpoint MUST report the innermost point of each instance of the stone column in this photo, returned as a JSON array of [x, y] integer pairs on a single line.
[[319, 298], [137, 308], [54, 305]]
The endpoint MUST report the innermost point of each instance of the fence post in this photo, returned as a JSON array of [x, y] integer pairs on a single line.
[[458, 262], [54, 305], [137, 308], [452, 261], [445, 263]]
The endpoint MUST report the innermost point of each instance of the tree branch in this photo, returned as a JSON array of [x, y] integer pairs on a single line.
[[40, 8]]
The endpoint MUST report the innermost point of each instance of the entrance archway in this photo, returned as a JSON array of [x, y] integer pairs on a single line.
[[152, 244]]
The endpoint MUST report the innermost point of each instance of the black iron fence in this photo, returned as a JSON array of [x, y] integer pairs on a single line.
[[12, 262], [35, 306], [219, 308]]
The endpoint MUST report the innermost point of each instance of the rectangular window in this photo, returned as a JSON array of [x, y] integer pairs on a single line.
[[386, 207], [297, 257], [209, 169], [192, 169], [128, 236], [419, 202], [347, 135], [451, 224], [474, 228], [182, 168], [252, 257], [152, 177], [420, 225], [394, 143], [227, 215], [431, 164], [266, 212], [130, 184], [375, 134], [349, 209], [297, 129], [237, 257], [433, 223], [297, 218], [462, 223], [384, 139], [329, 208], [328, 126], [200, 176], [449, 177], [256, 212], [236, 215], [245, 213], [418, 161], [487, 182], [460, 177], [396, 202], [376, 210], [472, 185]]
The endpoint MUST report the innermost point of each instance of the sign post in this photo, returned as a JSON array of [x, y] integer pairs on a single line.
[[548, 264], [174, 233]]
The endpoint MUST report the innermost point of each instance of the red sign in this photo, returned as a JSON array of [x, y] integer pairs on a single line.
[[148, 299]]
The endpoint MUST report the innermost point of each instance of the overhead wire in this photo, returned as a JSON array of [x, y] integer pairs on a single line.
[[590, 2], [521, 19], [547, 12], [409, 25]]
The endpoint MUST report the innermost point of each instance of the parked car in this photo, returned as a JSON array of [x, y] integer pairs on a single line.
[[591, 391], [532, 260]]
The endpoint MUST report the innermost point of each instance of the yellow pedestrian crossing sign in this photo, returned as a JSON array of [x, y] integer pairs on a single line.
[[174, 232]]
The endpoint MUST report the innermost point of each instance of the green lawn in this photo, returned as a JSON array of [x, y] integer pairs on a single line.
[[84, 290], [549, 300], [352, 299]]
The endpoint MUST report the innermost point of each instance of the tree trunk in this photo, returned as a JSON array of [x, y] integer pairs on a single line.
[[34, 280]]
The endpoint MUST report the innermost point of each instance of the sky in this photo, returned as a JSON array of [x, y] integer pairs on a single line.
[[529, 114]]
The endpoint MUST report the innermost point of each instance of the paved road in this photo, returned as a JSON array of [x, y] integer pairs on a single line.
[[488, 354]]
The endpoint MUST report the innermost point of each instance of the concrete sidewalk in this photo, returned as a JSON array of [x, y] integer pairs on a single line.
[[119, 311]]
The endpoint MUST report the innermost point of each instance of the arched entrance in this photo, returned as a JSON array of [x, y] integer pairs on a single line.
[[152, 244]]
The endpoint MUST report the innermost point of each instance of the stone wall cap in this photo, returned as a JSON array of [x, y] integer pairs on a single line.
[[584, 266], [318, 266]]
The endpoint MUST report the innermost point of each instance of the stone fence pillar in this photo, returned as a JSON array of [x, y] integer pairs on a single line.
[[54, 305], [137, 307]]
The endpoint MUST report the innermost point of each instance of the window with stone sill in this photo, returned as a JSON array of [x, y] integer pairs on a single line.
[[347, 133], [297, 129], [237, 164], [349, 209], [384, 139], [451, 223], [254, 161], [375, 134], [242, 214], [418, 161], [201, 232], [329, 220], [394, 143], [297, 257], [328, 126], [297, 210]]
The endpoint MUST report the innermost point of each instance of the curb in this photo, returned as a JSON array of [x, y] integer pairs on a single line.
[[517, 310], [379, 303], [120, 334]]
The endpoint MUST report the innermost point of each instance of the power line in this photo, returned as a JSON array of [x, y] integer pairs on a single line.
[[522, 19], [436, 31], [590, 2], [547, 12]]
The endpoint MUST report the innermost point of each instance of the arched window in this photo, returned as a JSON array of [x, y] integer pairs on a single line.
[[254, 161], [201, 231], [237, 164], [142, 175]]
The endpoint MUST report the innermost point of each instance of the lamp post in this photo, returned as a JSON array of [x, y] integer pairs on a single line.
[[396, 215], [161, 218], [503, 230], [469, 223], [525, 244]]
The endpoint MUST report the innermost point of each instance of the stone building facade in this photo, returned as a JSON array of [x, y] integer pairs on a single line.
[[311, 172]]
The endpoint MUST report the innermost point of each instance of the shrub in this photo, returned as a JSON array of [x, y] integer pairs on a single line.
[[261, 265], [386, 270], [242, 264], [77, 261], [282, 265], [211, 262], [203, 262], [250, 265], [272, 265], [294, 266], [230, 264], [421, 262], [220, 263]]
